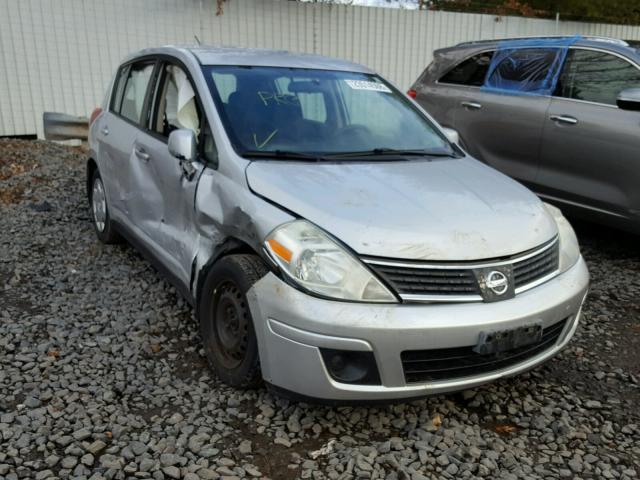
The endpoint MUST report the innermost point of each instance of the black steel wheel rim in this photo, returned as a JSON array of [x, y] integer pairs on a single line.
[[231, 324]]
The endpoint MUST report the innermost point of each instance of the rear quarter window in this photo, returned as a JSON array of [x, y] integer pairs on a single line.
[[471, 72]]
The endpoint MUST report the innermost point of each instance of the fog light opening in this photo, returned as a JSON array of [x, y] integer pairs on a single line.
[[348, 366]]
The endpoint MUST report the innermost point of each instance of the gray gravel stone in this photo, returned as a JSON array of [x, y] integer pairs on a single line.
[[102, 375], [172, 472]]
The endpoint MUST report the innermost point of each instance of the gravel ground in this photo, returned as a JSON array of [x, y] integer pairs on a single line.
[[101, 374]]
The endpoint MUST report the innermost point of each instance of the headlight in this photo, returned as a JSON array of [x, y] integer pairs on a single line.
[[569, 248], [317, 263]]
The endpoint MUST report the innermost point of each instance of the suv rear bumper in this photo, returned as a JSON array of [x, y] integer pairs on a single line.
[[292, 327]]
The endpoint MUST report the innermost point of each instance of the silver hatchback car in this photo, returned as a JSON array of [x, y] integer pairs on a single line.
[[333, 239]]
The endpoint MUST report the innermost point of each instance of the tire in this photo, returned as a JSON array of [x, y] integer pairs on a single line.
[[102, 224], [226, 325]]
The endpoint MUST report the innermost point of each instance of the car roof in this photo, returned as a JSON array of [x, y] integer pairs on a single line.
[[215, 55], [607, 43]]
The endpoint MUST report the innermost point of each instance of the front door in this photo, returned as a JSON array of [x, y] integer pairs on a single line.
[[170, 183], [591, 148]]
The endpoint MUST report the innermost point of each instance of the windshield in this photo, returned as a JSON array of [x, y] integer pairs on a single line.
[[305, 111]]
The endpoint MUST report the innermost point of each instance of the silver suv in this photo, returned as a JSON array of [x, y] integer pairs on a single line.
[[331, 237], [559, 114]]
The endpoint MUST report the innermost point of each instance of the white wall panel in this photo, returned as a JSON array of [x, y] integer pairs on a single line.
[[59, 55]]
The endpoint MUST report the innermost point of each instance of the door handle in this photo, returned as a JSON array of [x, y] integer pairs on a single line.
[[105, 130], [471, 105], [564, 119], [141, 154]]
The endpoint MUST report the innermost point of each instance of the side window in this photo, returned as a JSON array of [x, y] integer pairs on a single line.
[[176, 106], [596, 77], [135, 91], [118, 87], [471, 72], [525, 69]]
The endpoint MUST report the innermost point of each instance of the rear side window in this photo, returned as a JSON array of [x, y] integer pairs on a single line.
[[596, 77], [528, 70], [118, 87], [135, 91], [471, 72]]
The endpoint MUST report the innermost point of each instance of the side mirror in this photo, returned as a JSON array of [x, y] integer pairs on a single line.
[[182, 144], [629, 99], [452, 135]]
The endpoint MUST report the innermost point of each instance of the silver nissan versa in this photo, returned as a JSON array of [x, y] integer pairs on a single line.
[[333, 238]]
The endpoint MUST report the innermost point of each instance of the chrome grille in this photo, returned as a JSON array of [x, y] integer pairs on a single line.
[[534, 268], [430, 281], [458, 282]]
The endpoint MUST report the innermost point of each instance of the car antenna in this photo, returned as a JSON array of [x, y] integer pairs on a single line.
[[197, 39]]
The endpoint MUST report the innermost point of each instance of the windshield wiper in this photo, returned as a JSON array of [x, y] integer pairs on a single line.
[[380, 152], [283, 155]]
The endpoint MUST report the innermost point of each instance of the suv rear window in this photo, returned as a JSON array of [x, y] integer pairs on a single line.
[[471, 71]]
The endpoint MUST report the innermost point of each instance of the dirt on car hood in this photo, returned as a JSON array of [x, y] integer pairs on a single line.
[[452, 209]]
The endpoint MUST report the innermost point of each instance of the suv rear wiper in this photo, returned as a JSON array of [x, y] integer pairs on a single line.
[[380, 152], [283, 155]]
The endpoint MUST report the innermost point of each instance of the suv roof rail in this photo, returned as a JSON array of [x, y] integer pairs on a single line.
[[596, 38]]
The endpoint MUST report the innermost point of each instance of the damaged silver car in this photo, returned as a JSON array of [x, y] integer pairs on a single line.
[[334, 240]]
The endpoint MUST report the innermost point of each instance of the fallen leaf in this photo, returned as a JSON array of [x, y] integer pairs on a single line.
[[436, 420], [108, 434], [505, 428], [53, 354], [155, 348]]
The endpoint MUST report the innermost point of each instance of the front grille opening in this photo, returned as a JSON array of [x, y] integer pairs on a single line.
[[452, 363], [416, 281], [436, 282], [536, 267]]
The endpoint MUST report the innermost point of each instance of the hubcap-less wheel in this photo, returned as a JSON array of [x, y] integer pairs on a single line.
[[231, 324], [99, 204]]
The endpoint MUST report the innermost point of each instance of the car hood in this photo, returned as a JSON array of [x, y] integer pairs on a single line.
[[453, 209]]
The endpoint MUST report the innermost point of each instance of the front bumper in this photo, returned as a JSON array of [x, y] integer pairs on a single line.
[[292, 326]]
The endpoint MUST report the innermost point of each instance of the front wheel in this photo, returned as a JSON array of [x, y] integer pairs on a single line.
[[226, 325]]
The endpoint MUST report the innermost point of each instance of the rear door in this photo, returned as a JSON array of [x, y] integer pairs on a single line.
[[502, 125], [591, 148], [441, 97], [170, 184], [117, 133]]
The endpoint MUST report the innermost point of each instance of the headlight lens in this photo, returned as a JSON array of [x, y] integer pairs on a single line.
[[569, 248], [317, 263]]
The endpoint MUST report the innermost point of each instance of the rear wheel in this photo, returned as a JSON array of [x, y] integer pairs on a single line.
[[226, 325], [100, 211]]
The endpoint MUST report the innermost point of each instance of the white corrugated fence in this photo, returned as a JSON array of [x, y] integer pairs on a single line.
[[58, 55]]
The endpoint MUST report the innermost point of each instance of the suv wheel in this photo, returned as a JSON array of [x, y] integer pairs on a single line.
[[226, 325]]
